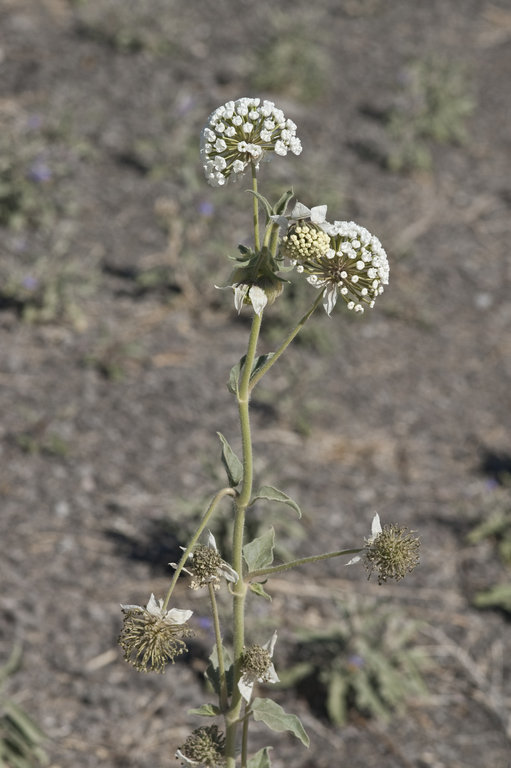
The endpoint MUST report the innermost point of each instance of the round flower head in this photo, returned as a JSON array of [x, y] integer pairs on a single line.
[[240, 133], [393, 551], [151, 637], [355, 265], [257, 666], [207, 567], [205, 747]]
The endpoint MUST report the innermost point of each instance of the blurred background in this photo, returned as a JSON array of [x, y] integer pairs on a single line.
[[115, 349]]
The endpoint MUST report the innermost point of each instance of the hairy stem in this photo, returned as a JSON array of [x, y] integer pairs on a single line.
[[219, 649], [301, 561], [285, 344], [206, 518], [242, 501]]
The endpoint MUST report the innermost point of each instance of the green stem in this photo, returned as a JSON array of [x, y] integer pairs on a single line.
[[219, 649], [207, 515], [285, 344], [244, 739], [301, 561], [257, 239], [240, 589]]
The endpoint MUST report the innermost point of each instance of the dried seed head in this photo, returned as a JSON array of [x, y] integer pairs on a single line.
[[256, 662], [151, 637], [393, 553], [204, 746]]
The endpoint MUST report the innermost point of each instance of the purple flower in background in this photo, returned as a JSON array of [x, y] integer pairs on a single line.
[[34, 122], [206, 208], [39, 172], [355, 662], [30, 283]]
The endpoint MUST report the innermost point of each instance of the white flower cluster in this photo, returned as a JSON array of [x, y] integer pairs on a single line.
[[240, 133], [355, 265]]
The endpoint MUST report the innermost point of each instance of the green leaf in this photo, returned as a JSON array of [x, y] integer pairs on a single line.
[[212, 673], [272, 715], [206, 710], [259, 552], [264, 202], [261, 759], [258, 589], [232, 464], [336, 703], [280, 206], [234, 376], [273, 494], [259, 362]]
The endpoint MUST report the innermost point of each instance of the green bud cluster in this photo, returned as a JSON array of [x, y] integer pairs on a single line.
[[305, 241]]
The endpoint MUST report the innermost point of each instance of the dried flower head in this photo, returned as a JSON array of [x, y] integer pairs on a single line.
[[257, 666], [240, 133], [151, 637], [204, 746], [355, 266], [392, 550], [207, 567]]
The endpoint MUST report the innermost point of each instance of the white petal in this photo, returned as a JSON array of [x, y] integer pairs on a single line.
[[211, 541], [153, 607], [229, 573], [318, 214], [270, 645], [300, 211], [240, 291], [271, 676], [128, 608], [258, 298], [375, 526], [178, 615], [245, 688], [185, 759], [329, 298], [354, 560]]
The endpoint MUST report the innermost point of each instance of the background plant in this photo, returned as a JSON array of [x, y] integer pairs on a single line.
[[20, 738], [433, 106]]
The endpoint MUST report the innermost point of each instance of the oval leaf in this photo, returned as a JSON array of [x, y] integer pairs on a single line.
[[258, 589], [259, 552], [273, 494], [206, 710], [261, 759], [234, 376], [272, 715], [232, 464]]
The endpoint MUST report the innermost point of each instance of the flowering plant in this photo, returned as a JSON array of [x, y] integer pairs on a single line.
[[338, 259]]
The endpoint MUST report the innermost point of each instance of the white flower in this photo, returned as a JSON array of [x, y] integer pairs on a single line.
[[224, 138], [376, 529], [151, 637], [354, 267], [258, 667], [174, 616], [300, 212], [255, 295]]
